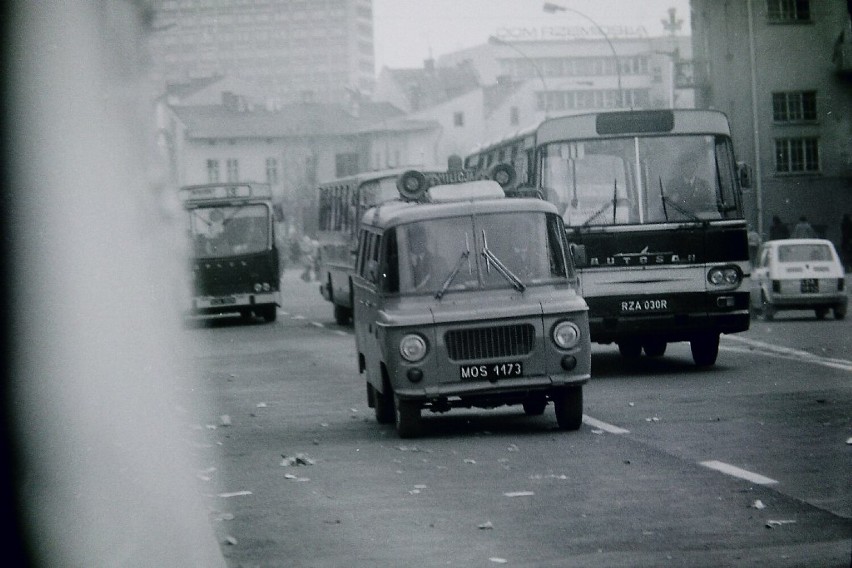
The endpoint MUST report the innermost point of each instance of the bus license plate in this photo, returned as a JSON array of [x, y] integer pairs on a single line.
[[491, 371], [644, 305], [223, 301]]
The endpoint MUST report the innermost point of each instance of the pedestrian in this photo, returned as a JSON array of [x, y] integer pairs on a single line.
[[803, 229], [308, 248], [778, 230], [846, 241]]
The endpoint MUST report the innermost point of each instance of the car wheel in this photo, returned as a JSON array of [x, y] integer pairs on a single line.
[[839, 312], [766, 308], [535, 406], [407, 417], [705, 349], [341, 314], [630, 348], [655, 348], [383, 405], [569, 408], [820, 313]]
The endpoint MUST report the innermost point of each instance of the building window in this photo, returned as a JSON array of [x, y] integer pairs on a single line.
[[458, 119], [788, 11], [514, 116], [794, 106], [796, 155], [233, 169], [213, 171], [271, 171]]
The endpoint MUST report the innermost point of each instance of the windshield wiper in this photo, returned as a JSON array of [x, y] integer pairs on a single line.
[[679, 208], [464, 255], [501, 268], [607, 205]]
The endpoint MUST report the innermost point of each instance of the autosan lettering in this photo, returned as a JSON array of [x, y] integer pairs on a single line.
[[643, 258]]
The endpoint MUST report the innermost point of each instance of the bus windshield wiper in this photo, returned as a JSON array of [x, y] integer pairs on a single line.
[[449, 280], [679, 208], [607, 205]]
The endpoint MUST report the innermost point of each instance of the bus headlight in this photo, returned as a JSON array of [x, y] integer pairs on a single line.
[[728, 276], [566, 334], [258, 287], [412, 348]]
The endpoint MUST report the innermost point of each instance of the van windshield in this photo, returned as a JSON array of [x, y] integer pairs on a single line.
[[528, 244]]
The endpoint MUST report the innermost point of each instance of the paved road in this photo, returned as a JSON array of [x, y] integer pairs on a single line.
[[745, 464]]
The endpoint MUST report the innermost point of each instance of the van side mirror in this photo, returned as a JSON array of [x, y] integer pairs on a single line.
[[578, 254], [745, 175], [372, 271]]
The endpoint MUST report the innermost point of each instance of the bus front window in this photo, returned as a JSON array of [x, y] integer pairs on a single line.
[[218, 232]]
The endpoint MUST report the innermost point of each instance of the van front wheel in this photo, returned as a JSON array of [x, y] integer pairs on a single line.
[[407, 418], [568, 403], [382, 405]]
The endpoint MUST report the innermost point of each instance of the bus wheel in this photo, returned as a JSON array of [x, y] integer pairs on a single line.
[[569, 407], [534, 406], [382, 405], [630, 348], [341, 314], [655, 348], [705, 349], [820, 313], [269, 313], [839, 311], [407, 417]]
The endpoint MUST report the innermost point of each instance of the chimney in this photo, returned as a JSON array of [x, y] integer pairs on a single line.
[[429, 64]]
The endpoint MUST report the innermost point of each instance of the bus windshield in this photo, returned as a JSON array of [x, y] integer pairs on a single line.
[[638, 180], [223, 231], [448, 254]]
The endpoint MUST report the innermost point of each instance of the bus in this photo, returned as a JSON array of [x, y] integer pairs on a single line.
[[652, 204], [341, 203], [235, 261]]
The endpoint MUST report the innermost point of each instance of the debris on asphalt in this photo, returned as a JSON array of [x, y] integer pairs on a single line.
[[518, 494], [292, 477], [772, 524], [597, 431], [758, 504], [487, 525], [652, 419], [224, 420], [230, 540], [297, 460], [234, 494], [497, 560], [468, 460], [512, 448], [261, 405]]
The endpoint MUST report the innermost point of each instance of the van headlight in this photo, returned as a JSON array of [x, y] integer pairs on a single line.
[[412, 347], [566, 334], [727, 276]]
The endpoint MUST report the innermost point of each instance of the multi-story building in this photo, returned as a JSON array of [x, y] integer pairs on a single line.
[[781, 70], [296, 50]]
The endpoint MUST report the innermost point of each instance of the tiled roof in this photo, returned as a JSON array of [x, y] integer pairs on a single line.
[[434, 85]]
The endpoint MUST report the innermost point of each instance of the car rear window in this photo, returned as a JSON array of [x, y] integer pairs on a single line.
[[804, 253]]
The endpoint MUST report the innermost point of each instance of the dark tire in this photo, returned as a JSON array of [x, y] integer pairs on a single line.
[[269, 313], [569, 408], [820, 313], [630, 348], [407, 418], [767, 309], [705, 349], [342, 314], [383, 406], [839, 312], [655, 348], [535, 406]]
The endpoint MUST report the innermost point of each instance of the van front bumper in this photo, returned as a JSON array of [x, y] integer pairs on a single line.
[[508, 388]]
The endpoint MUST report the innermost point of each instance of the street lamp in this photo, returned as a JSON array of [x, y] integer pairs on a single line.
[[552, 8], [497, 40]]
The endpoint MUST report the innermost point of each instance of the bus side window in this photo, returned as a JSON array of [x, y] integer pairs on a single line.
[[390, 278]]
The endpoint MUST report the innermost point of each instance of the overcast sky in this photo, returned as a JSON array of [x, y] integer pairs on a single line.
[[406, 31]]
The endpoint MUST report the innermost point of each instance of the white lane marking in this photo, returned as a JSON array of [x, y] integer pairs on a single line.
[[338, 332], [317, 324], [298, 317], [595, 423], [795, 354], [737, 472]]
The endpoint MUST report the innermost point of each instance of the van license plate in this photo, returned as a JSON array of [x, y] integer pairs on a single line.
[[491, 371]]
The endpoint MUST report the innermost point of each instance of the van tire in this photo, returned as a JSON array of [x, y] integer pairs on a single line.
[[342, 314], [839, 312], [383, 405], [407, 416], [569, 407]]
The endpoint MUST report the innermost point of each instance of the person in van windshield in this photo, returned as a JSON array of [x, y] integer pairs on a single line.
[[420, 257]]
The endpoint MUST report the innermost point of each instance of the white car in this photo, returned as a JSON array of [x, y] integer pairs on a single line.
[[798, 274]]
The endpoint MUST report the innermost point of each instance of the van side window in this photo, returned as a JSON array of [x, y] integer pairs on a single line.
[[363, 249], [391, 265]]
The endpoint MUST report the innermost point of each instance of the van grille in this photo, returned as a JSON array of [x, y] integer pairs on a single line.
[[489, 342]]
